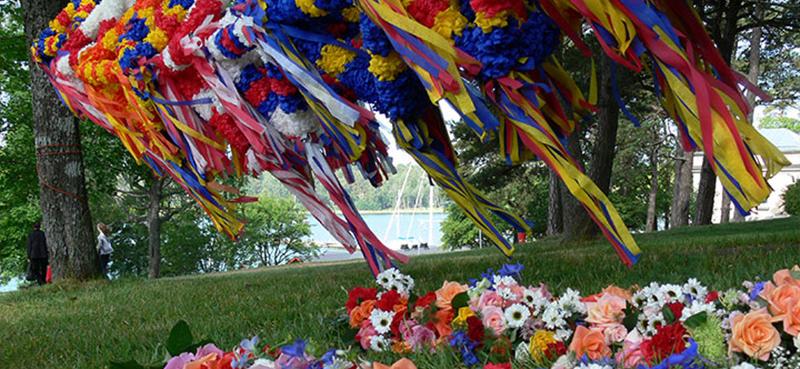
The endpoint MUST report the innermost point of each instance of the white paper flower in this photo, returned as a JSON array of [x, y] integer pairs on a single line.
[[516, 315], [381, 320], [297, 124]]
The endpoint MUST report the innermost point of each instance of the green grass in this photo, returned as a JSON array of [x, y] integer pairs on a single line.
[[85, 326]]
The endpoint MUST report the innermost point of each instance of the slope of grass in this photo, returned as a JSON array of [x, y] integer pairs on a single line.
[[85, 326]]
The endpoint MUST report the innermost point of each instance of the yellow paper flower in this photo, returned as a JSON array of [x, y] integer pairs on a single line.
[[449, 22], [487, 23], [386, 68], [333, 59], [539, 343], [308, 7], [158, 38], [351, 14], [109, 39]]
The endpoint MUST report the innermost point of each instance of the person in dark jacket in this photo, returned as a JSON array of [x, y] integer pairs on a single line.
[[38, 255]]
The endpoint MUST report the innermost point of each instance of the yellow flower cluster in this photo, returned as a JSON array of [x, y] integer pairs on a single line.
[[351, 14], [486, 23], [333, 59], [539, 343], [386, 68], [308, 7], [449, 22], [461, 319]]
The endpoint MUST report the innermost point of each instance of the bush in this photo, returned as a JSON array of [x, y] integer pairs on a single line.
[[791, 199]]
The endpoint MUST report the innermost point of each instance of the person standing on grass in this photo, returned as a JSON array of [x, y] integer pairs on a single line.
[[38, 255], [104, 247]]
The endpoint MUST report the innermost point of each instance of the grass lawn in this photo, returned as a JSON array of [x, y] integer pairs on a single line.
[[85, 326]]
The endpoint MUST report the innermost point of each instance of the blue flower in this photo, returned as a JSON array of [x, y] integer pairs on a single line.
[[249, 344], [297, 349], [465, 346], [511, 270], [375, 40], [757, 288]]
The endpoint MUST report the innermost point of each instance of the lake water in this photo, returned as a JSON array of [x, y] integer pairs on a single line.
[[409, 227]]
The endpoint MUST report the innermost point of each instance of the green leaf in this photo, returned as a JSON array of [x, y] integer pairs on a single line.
[[696, 320], [795, 274], [631, 318], [669, 317], [180, 338], [130, 364], [459, 301]]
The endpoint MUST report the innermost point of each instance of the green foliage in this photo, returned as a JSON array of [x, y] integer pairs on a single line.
[[791, 199], [274, 234], [790, 123], [129, 319]]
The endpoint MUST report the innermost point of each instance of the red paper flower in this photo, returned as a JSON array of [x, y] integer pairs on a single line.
[[425, 11]]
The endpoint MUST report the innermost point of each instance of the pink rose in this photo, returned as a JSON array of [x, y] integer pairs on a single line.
[[631, 354], [614, 333], [490, 298], [365, 334], [421, 337], [494, 319], [609, 309]]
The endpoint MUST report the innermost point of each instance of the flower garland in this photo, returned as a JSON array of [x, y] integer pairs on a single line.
[[497, 321], [60, 29]]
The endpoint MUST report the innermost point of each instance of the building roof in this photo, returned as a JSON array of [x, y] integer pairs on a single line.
[[784, 139]]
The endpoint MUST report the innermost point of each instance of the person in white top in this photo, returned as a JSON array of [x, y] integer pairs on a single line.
[[104, 246]]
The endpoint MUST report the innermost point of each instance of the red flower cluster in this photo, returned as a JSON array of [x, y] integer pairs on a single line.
[[492, 7], [425, 11], [668, 340], [358, 295], [554, 350], [224, 124]]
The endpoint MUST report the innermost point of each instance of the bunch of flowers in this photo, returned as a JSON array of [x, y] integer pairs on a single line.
[[497, 322], [60, 29]]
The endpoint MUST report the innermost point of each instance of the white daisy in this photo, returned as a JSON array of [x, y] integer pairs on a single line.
[[694, 288], [563, 334], [505, 293], [570, 302], [696, 308], [516, 315], [745, 365], [593, 366], [655, 322], [381, 320], [506, 281], [386, 278], [671, 293], [535, 299], [378, 343]]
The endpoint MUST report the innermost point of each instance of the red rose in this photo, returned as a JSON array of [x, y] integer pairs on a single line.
[[358, 295], [475, 329], [677, 309], [554, 350], [426, 300], [712, 296]]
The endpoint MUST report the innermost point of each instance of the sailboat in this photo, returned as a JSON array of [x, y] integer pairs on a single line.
[[411, 240]]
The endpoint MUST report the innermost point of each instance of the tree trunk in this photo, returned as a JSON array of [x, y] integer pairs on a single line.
[[725, 209], [577, 223], [682, 190], [726, 42], [555, 220], [62, 190], [752, 75], [653, 195], [154, 228]]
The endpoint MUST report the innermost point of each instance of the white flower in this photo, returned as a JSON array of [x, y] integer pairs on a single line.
[[563, 334], [535, 299], [516, 315], [655, 322], [505, 293], [671, 292], [745, 365], [506, 281], [564, 362], [522, 353], [593, 366], [553, 317], [296, 124], [570, 302], [338, 363], [387, 278], [378, 343], [263, 364], [695, 288], [696, 308], [381, 320]]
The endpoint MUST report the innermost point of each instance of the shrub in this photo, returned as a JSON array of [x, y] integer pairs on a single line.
[[791, 199]]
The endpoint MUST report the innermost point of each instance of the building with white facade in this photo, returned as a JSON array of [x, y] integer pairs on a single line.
[[786, 141]]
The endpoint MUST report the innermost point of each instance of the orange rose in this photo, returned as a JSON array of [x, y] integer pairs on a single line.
[[791, 321], [361, 312], [444, 295], [618, 291], [784, 277], [754, 334], [203, 362], [609, 309], [442, 320], [590, 342], [782, 298]]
